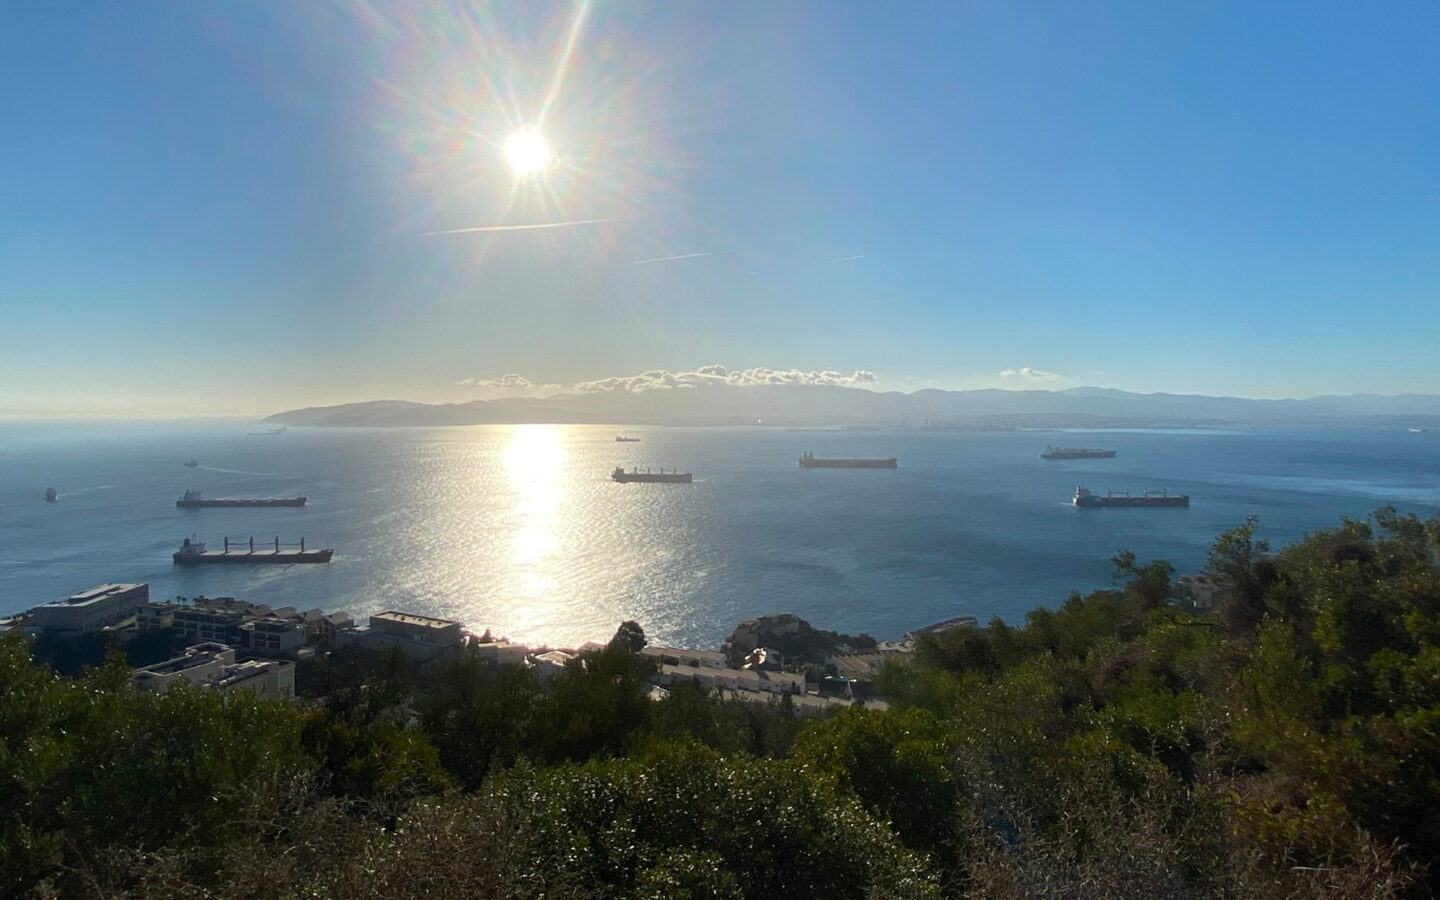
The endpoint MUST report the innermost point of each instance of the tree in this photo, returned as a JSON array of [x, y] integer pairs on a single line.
[[630, 636], [1235, 562], [478, 716], [1149, 584]]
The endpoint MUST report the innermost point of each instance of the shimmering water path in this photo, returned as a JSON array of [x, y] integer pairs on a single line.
[[519, 529]]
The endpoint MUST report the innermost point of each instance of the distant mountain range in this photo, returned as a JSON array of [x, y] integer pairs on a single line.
[[810, 405]]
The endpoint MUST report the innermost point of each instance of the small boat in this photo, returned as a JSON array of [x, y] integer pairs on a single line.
[[192, 463], [621, 439], [50, 495]]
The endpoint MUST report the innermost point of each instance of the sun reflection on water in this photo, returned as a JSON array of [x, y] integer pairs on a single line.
[[534, 460]]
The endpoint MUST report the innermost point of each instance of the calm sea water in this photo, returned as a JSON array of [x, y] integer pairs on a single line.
[[519, 529]]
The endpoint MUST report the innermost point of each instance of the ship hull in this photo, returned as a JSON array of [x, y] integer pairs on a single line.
[[1132, 502], [277, 501], [1078, 454], [812, 463], [648, 478], [249, 557]]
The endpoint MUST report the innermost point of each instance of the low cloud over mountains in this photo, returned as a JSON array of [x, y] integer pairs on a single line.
[[714, 395], [660, 379]]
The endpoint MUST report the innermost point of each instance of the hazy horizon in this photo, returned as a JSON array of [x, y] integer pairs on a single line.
[[250, 208], [506, 388]]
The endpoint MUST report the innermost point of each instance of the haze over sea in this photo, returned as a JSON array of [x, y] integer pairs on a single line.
[[519, 529]]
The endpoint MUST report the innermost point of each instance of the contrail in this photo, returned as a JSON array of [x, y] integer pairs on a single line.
[[562, 65], [641, 262], [844, 259], [520, 227]]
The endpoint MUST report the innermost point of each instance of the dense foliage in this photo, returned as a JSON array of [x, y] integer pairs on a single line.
[[1122, 744]]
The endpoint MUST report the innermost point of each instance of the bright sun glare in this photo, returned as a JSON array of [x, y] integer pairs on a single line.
[[527, 152]]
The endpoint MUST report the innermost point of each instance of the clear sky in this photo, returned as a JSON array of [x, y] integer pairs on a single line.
[[233, 207]]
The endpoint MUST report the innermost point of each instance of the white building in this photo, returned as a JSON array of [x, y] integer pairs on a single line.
[[502, 653], [676, 656], [213, 667], [739, 680], [92, 610], [550, 663], [271, 635], [421, 637], [323, 626]]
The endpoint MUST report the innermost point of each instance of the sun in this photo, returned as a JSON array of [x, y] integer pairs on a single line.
[[527, 152]]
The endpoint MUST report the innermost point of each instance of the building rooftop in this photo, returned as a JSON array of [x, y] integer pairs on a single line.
[[193, 656], [94, 595], [412, 619], [682, 653]]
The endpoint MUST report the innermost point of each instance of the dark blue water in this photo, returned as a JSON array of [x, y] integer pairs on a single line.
[[520, 530]]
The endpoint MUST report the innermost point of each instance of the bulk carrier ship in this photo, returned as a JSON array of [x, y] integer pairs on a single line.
[[809, 460], [193, 553], [194, 500], [1087, 499], [1076, 453], [649, 477]]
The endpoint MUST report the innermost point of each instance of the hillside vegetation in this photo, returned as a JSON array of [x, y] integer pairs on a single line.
[[1121, 745]]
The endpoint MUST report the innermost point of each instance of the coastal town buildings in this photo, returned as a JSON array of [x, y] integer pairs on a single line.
[[273, 635], [238, 645], [675, 656], [502, 653], [323, 626], [739, 680], [420, 637], [213, 666], [99, 607], [202, 623], [550, 663]]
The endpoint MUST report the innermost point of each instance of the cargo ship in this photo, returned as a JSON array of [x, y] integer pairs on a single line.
[[809, 460], [649, 477], [193, 553], [1076, 453], [194, 500], [1088, 499], [621, 439]]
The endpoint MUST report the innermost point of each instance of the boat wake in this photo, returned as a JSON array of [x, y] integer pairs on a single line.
[[80, 492]]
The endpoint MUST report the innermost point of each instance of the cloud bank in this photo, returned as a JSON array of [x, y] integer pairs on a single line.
[[515, 385], [1027, 373], [661, 379], [510, 385]]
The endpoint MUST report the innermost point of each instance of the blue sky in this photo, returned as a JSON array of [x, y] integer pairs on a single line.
[[231, 207]]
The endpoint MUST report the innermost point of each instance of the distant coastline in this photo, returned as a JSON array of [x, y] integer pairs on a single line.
[[811, 406]]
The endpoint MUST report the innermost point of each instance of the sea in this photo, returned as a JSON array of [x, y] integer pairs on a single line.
[[520, 530]]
